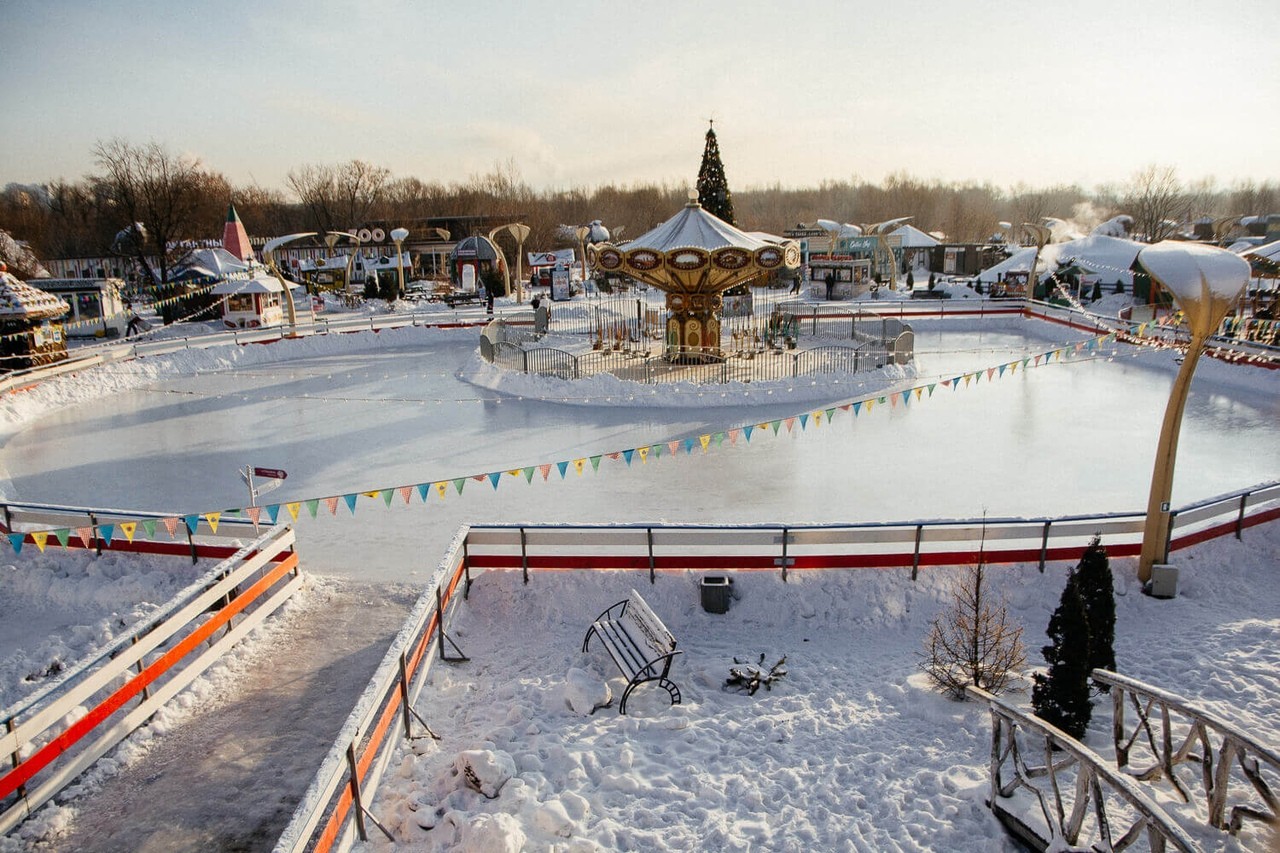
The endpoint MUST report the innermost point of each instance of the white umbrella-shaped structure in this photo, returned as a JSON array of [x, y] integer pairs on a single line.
[[694, 257]]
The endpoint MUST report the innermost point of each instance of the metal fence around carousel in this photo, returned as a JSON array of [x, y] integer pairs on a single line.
[[706, 369]]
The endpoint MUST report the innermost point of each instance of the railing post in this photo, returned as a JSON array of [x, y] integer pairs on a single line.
[[915, 558], [466, 569], [357, 805], [786, 535], [524, 556], [14, 759], [1239, 517], [1168, 538], [440, 622], [404, 696], [97, 543], [146, 691], [653, 578], [1044, 545]]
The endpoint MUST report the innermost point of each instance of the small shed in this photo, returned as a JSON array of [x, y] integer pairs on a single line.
[[252, 302], [97, 305], [476, 260], [31, 332]]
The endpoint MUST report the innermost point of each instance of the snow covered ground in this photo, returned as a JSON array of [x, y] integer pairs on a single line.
[[363, 411], [851, 750]]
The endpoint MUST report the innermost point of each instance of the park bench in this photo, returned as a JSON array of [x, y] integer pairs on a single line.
[[640, 645]]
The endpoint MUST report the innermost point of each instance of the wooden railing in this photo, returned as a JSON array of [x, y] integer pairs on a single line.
[[334, 812], [1055, 793], [1197, 736], [48, 737]]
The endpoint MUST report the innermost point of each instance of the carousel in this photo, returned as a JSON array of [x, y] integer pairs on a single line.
[[694, 258]]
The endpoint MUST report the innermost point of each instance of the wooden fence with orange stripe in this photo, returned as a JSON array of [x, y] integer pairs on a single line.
[[335, 812], [50, 739]]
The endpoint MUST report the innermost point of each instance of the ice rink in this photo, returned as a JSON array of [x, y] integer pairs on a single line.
[[1073, 436]]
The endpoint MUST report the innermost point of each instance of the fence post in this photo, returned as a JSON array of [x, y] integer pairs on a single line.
[[466, 568], [1239, 518], [1168, 538], [1044, 545], [440, 622], [915, 557], [404, 695], [785, 536], [357, 806], [653, 578], [8, 727], [146, 691], [524, 556], [97, 543]]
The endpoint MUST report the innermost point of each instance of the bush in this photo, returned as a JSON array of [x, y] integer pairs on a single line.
[[973, 641], [1097, 592], [1060, 697]]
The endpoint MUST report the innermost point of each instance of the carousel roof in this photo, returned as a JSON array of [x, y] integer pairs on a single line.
[[694, 252], [20, 300], [208, 264], [694, 227]]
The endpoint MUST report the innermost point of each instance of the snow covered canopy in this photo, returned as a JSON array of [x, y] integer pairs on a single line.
[[1107, 257], [1265, 259], [1205, 280], [21, 301], [257, 284], [911, 237], [208, 264]]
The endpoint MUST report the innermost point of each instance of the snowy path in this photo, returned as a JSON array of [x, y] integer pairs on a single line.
[[228, 776]]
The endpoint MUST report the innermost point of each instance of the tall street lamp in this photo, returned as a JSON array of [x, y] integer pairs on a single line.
[[1204, 281], [398, 236]]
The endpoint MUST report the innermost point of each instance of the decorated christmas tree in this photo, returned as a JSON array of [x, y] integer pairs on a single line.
[[713, 189]]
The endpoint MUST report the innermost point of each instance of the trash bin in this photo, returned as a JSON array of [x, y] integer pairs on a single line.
[[716, 590]]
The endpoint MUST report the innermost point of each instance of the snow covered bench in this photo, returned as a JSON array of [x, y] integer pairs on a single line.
[[640, 645]]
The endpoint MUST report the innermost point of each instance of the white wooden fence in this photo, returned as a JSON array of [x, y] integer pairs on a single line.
[[56, 733]]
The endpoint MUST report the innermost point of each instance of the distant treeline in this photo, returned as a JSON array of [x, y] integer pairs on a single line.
[[177, 198]]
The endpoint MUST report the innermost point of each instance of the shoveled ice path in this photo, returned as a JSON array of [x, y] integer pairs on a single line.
[[229, 775]]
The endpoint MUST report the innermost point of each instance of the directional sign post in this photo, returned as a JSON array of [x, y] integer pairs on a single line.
[[273, 476]]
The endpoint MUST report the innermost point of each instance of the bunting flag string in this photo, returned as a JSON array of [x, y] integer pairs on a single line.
[[105, 532]]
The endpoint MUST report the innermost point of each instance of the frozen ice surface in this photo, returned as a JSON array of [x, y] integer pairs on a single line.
[[372, 411]]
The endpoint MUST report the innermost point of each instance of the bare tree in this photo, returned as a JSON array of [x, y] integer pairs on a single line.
[[973, 641], [1154, 197], [340, 197], [173, 197]]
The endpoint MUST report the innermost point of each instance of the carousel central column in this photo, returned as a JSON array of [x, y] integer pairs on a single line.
[[693, 324]]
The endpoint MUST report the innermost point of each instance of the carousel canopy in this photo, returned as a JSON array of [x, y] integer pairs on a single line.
[[21, 301], [694, 252]]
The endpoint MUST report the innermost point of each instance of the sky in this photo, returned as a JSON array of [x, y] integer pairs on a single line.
[[585, 94]]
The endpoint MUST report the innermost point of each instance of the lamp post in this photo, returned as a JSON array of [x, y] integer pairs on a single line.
[[583, 231], [520, 232], [398, 236], [1204, 281], [1041, 233]]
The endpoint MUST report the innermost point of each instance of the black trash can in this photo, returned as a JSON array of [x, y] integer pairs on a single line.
[[716, 591]]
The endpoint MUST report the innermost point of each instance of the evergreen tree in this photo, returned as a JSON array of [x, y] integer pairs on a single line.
[[713, 189], [1097, 591], [1061, 697]]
